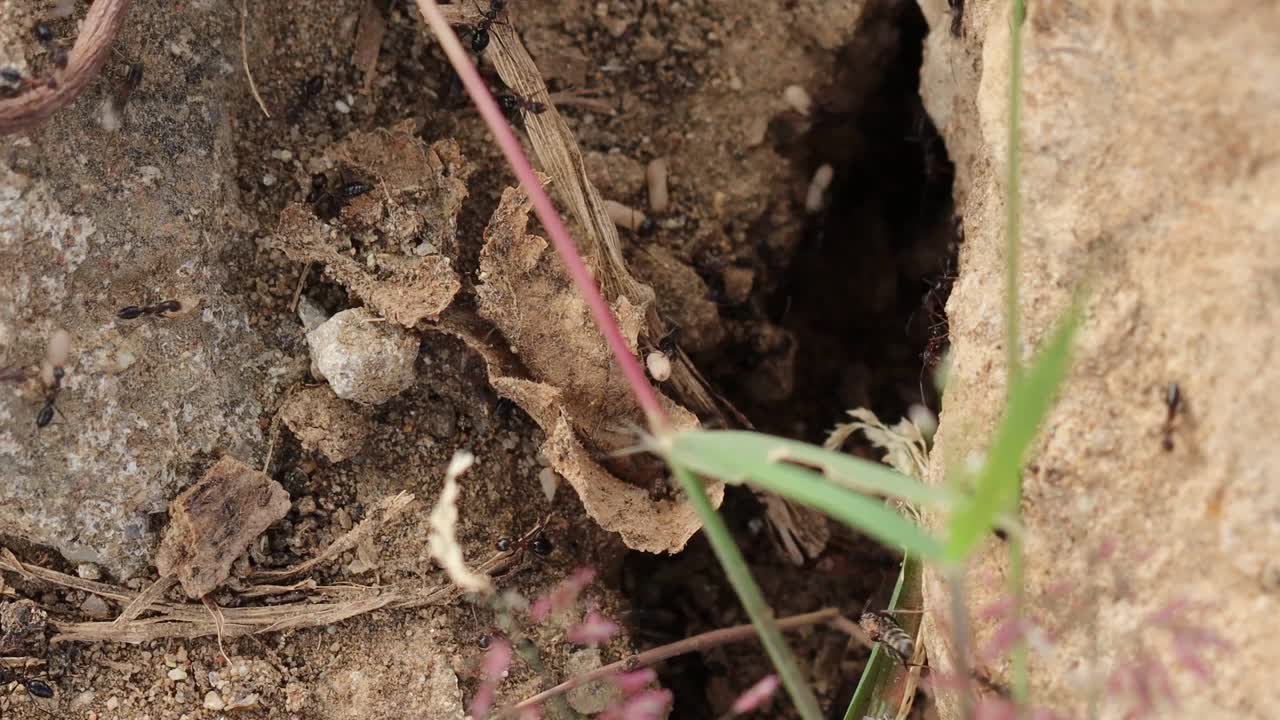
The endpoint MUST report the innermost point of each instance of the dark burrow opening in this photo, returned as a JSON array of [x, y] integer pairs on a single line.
[[861, 299]]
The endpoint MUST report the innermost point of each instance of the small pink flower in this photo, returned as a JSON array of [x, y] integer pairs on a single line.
[[756, 696], [992, 708], [492, 671], [563, 597], [595, 629], [633, 682], [648, 705]]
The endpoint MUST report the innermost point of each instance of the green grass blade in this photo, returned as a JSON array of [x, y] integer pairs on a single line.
[[863, 476], [753, 459], [739, 575], [879, 689], [997, 490]]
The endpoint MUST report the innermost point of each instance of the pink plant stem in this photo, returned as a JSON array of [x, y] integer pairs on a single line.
[[546, 211]]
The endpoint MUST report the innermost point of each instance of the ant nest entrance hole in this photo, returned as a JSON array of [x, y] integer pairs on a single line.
[[848, 311]]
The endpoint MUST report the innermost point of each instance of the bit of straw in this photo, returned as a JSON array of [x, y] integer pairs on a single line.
[[547, 214], [443, 540]]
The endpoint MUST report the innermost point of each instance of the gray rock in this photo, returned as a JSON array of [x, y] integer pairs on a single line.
[[365, 359], [91, 222], [592, 698]]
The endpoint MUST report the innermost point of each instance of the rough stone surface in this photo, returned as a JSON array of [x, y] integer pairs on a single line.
[[595, 697], [91, 221], [363, 358], [1151, 172], [214, 521]]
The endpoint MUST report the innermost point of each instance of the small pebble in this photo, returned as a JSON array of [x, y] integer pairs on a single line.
[[549, 481], [268, 180], [656, 176], [342, 106], [798, 99], [213, 701], [816, 198], [113, 702], [89, 571], [177, 674], [625, 218], [659, 366]]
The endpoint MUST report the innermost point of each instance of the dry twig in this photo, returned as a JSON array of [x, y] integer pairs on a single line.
[[244, 60], [697, 643], [85, 59]]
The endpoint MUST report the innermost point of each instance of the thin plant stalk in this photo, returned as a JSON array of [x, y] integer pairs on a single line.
[[1013, 238], [547, 214], [735, 569], [721, 542]]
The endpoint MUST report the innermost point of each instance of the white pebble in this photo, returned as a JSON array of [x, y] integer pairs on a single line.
[[549, 481], [113, 702], [656, 175], [797, 98], [177, 674], [342, 106], [268, 180], [816, 198], [282, 155], [89, 571], [213, 701], [659, 365], [365, 359]]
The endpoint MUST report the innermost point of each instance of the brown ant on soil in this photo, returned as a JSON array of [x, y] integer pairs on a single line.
[[161, 309], [1173, 403]]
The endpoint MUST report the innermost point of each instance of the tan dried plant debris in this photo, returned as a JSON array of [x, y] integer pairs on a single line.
[[552, 362], [214, 521], [323, 421], [904, 446], [442, 542], [406, 225], [196, 619], [561, 159], [387, 510]]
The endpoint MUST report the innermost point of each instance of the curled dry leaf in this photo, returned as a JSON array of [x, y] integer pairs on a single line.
[[213, 522], [443, 541], [405, 224], [566, 380]]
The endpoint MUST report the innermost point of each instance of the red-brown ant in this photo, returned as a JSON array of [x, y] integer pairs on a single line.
[[161, 309]]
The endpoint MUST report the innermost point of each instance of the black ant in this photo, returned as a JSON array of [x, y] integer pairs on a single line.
[[44, 35], [311, 88], [52, 371], [1173, 403], [538, 542], [478, 35], [45, 415], [160, 309], [329, 203], [37, 688], [957, 16], [512, 103]]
